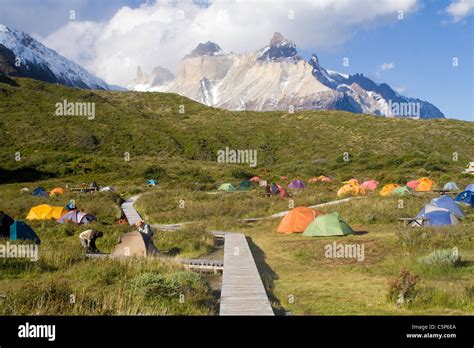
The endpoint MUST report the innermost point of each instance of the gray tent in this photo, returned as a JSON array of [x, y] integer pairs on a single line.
[[135, 244]]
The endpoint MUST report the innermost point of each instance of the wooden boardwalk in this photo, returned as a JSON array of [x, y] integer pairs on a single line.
[[129, 210], [242, 291]]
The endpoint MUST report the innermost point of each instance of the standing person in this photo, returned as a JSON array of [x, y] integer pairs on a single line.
[[145, 228], [5, 222], [88, 239]]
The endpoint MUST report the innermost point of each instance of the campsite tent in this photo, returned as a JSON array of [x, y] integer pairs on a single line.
[[413, 184], [226, 187], [426, 184], [436, 216], [387, 189], [297, 184], [297, 220], [447, 202], [152, 182], [255, 179], [469, 187], [245, 185], [325, 179], [328, 225], [135, 244], [45, 212], [466, 198], [107, 188], [351, 182], [41, 192], [354, 190], [402, 190], [283, 177], [451, 186], [370, 185], [57, 191], [20, 230], [5, 222], [313, 180], [79, 217]]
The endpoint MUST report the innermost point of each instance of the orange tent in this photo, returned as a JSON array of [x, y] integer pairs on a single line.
[[297, 220], [387, 189], [255, 179], [426, 184], [57, 191], [351, 182]]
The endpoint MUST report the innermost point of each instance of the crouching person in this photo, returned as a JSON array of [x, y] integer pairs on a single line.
[[88, 239]]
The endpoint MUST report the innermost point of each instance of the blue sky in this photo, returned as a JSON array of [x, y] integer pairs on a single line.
[[417, 52]]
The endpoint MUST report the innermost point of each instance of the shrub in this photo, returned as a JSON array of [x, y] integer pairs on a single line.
[[442, 257], [402, 287], [155, 172]]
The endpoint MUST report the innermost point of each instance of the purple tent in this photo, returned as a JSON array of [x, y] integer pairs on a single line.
[[79, 217], [297, 184]]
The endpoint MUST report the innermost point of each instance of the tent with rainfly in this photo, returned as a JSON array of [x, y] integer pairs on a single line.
[[328, 225], [402, 191], [297, 184], [152, 182], [245, 185], [297, 220], [465, 198], [451, 186], [20, 230], [40, 192], [426, 184], [436, 216], [447, 202], [370, 185], [78, 217], [45, 212], [57, 191], [135, 244], [226, 187], [413, 184], [388, 189], [351, 190], [469, 187]]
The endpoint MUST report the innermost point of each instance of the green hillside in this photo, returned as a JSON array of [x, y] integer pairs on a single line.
[[151, 129]]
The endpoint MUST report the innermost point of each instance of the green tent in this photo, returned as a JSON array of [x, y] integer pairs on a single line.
[[245, 185], [328, 225], [226, 187], [401, 191], [20, 230]]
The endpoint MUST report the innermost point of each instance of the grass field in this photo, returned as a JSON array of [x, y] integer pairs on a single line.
[[180, 150]]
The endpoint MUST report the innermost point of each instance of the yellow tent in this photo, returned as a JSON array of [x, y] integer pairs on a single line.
[[353, 182], [426, 184], [387, 189], [353, 190], [45, 212]]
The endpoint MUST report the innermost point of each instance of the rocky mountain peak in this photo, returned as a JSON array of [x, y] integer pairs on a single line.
[[205, 49]]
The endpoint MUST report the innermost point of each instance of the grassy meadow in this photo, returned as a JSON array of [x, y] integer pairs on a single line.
[[138, 136]]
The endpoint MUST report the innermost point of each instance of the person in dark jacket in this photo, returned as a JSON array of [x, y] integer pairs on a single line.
[[5, 222]]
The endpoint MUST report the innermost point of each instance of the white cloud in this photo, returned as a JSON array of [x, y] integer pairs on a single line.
[[154, 34], [387, 66], [460, 9]]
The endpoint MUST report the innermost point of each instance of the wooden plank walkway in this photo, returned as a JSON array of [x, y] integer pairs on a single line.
[[129, 210], [242, 291]]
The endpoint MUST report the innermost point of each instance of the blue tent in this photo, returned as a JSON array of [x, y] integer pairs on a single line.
[[152, 182], [41, 192], [465, 197], [437, 216], [451, 186], [469, 187], [20, 230], [448, 203]]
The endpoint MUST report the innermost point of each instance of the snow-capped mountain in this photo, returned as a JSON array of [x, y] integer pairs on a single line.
[[276, 77], [23, 56]]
